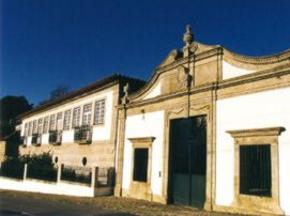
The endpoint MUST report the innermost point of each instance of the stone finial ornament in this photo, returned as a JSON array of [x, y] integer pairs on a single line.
[[126, 94], [188, 36], [126, 90]]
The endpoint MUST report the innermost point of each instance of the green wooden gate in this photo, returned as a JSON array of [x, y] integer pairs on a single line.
[[187, 162]]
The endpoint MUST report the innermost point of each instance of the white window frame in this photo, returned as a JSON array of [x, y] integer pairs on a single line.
[[45, 124], [40, 126], [87, 114], [52, 122], [76, 120], [30, 128], [66, 119], [59, 121], [26, 129], [34, 127], [100, 111]]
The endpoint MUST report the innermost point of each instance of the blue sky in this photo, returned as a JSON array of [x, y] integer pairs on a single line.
[[46, 43]]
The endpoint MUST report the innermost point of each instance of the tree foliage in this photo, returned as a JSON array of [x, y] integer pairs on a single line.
[[39, 167], [56, 93], [10, 108]]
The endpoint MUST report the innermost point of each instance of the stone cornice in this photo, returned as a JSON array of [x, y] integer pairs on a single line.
[[168, 96], [261, 75], [142, 139], [142, 142], [270, 59], [273, 131], [207, 51]]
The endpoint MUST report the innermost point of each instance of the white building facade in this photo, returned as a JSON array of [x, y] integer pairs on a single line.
[[79, 129], [210, 129]]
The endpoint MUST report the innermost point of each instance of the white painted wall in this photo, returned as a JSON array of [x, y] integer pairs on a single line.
[[147, 125], [44, 139], [230, 71], [100, 132], [61, 188], [155, 91], [103, 132], [29, 140], [257, 110], [68, 136]]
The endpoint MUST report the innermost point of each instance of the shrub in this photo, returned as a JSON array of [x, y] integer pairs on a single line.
[[41, 167], [76, 174], [12, 167]]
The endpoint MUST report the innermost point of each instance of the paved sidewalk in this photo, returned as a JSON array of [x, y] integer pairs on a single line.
[[109, 205]]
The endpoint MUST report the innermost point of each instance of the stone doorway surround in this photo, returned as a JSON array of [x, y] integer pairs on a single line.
[[250, 203], [207, 110], [138, 189]]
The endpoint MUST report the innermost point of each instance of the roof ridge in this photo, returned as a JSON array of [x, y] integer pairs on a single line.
[[115, 77]]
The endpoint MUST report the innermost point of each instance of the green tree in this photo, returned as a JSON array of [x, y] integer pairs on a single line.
[[56, 93], [10, 108]]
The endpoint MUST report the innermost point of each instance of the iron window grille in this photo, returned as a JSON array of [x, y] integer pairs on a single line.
[[255, 170], [23, 141], [83, 134], [55, 137], [36, 139]]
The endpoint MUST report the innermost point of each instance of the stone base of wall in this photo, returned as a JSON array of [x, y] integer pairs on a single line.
[[246, 211], [152, 197]]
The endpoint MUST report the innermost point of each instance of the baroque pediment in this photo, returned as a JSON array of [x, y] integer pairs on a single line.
[[171, 57]]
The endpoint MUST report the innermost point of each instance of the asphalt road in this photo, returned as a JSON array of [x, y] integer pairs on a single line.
[[21, 206]]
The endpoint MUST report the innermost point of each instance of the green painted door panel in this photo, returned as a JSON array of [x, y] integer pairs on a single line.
[[188, 161]]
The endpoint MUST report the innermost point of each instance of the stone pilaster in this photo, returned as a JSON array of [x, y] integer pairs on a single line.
[[120, 156]]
